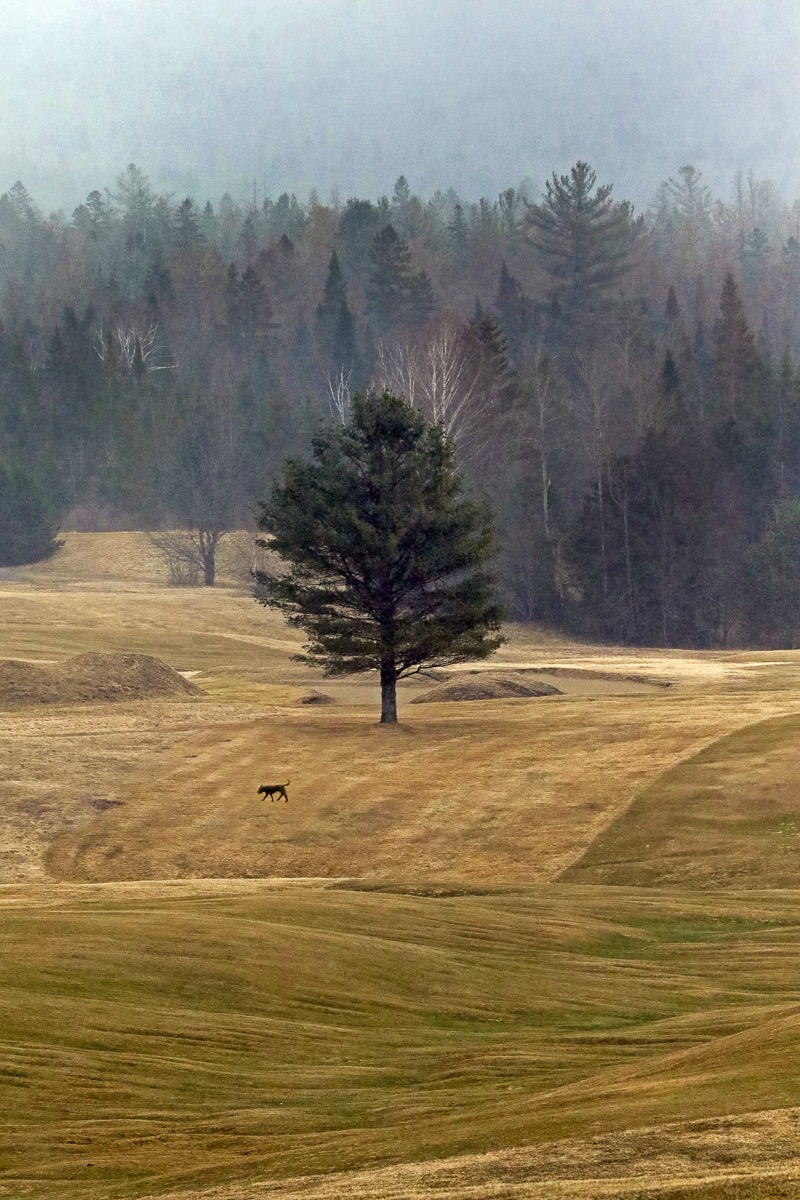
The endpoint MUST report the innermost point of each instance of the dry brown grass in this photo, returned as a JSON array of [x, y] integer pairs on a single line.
[[726, 816], [92, 561], [309, 1038], [513, 793], [751, 1157]]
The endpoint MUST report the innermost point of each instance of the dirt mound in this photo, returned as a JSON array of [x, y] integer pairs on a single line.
[[26, 683], [487, 687], [317, 698], [91, 677]]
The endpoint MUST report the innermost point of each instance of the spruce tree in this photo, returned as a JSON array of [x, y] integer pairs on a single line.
[[335, 327], [514, 312], [735, 350], [249, 308], [30, 517], [388, 561], [187, 235], [397, 294]]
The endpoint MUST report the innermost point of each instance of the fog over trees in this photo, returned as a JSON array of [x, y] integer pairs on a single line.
[[298, 94]]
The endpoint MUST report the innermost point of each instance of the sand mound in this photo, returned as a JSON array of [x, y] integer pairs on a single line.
[[487, 687], [91, 677]]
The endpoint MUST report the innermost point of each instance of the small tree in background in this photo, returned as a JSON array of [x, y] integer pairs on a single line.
[[772, 593], [389, 563], [29, 519]]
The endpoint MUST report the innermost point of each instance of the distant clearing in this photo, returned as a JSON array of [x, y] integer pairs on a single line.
[[94, 561]]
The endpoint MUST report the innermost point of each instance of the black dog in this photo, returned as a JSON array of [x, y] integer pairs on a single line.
[[274, 789]]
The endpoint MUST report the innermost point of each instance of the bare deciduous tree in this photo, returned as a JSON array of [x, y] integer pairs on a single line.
[[594, 373], [179, 551], [131, 345], [339, 395], [539, 388]]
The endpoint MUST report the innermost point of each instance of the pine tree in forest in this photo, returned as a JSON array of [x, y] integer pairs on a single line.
[[772, 581], [396, 293], [487, 347], [584, 238], [158, 285], [643, 561], [187, 234], [30, 516], [514, 313], [358, 226], [19, 203], [672, 309], [458, 236], [334, 325], [735, 353], [508, 202], [249, 308], [405, 209]]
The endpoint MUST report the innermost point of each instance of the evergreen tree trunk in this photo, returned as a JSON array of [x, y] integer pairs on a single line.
[[388, 692]]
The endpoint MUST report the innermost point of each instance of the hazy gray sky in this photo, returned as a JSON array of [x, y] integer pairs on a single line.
[[207, 96]]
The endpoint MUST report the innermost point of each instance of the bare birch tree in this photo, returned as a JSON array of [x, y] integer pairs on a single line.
[[127, 346], [339, 395], [440, 378]]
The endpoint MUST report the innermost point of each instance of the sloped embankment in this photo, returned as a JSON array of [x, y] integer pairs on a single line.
[[728, 816]]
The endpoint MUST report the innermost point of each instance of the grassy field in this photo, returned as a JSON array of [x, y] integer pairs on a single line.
[[514, 948]]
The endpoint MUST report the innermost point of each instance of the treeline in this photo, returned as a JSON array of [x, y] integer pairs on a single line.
[[623, 388]]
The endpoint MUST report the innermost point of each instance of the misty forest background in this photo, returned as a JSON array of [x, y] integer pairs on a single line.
[[623, 389]]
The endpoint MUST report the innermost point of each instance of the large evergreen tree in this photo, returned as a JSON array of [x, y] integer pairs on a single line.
[[735, 350], [388, 560]]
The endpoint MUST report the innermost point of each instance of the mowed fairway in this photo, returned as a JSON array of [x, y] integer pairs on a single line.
[[165, 1036], [517, 948]]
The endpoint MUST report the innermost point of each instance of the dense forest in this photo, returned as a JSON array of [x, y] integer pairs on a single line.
[[623, 388]]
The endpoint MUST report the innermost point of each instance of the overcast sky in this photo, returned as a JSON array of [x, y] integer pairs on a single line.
[[208, 96]]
